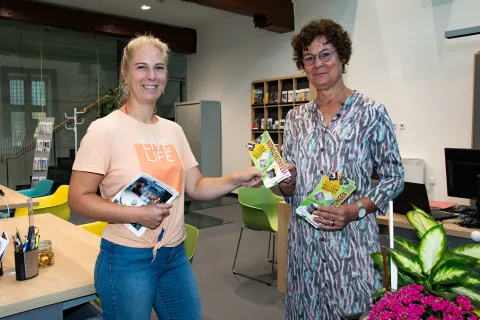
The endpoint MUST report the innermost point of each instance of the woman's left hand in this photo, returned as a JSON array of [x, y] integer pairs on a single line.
[[251, 178], [331, 218]]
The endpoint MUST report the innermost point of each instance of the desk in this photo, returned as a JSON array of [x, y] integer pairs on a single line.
[[14, 199], [456, 236], [68, 283]]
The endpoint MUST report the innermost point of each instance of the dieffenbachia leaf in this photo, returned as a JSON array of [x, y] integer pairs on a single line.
[[404, 279], [432, 247], [471, 250], [448, 273], [417, 209], [450, 256], [407, 262], [378, 258], [420, 222], [447, 295], [472, 294], [471, 280], [379, 293], [406, 245]]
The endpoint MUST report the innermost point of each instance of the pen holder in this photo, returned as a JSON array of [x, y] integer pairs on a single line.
[[26, 264]]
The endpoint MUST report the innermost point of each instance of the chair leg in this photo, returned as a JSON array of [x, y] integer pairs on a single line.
[[249, 277], [269, 241], [273, 257], [236, 253]]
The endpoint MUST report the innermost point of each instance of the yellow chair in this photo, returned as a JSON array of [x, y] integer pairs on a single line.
[[56, 204], [95, 227]]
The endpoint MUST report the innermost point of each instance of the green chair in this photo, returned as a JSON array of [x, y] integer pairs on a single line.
[[190, 241], [42, 189], [259, 213], [56, 204]]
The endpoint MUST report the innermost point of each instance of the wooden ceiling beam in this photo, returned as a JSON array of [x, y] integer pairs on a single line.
[[180, 40], [273, 15]]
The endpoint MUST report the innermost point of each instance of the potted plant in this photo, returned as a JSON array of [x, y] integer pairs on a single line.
[[108, 103], [430, 276]]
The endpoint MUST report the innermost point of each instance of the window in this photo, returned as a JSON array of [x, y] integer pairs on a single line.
[[18, 128], [38, 93], [38, 115], [17, 93]]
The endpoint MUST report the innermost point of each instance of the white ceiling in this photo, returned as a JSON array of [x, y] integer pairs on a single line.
[[170, 12]]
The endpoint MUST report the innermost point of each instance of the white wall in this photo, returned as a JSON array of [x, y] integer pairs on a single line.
[[400, 57]]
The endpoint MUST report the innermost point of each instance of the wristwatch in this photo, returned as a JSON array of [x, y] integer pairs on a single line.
[[361, 210]]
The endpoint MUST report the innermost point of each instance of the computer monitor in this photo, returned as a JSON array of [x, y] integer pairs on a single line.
[[463, 169], [463, 175]]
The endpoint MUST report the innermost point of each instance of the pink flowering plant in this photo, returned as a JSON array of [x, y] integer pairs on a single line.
[[433, 281], [413, 302]]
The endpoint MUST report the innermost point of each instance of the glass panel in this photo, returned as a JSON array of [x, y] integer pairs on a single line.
[[18, 128], [49, 72], [17, 92], [38, 93]]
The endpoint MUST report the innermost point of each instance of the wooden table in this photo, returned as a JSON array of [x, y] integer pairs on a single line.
[[456, 236], [14, 199], [68, 283]]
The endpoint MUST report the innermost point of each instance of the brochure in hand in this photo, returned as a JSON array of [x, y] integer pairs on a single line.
[[267, 160], [144, 190], [331, 191]]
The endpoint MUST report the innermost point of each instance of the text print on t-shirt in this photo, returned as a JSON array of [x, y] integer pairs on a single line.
[[160, 159]]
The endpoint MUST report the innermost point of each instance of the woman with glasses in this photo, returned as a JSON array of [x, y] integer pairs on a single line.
[[346, 134]]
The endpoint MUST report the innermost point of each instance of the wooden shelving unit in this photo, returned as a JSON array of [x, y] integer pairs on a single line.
[[271, 99]]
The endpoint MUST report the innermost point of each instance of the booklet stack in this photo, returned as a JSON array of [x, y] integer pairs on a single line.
[[331, 191], [144, 190]]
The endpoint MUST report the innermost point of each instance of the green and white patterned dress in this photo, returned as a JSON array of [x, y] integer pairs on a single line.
[[331, 272]]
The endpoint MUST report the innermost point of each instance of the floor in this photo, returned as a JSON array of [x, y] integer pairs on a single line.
[[225, 295]]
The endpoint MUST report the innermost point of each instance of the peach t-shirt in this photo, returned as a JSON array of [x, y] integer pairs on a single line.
[[120, 147]]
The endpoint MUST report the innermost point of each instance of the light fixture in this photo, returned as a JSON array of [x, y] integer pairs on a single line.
[[144, 7]]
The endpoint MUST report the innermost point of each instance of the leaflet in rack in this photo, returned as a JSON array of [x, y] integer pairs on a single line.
[[267, 159], [331, 191], [144, 190]]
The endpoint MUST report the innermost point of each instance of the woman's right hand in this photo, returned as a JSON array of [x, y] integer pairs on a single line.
[[287, 186], [152, 215]]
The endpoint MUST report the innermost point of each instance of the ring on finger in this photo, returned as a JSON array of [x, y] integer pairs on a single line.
[[333, 223]]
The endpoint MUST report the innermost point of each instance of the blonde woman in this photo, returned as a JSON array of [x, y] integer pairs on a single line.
[[134, 274]]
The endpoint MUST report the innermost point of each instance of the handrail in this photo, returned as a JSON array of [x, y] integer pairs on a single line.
[[30, 146]]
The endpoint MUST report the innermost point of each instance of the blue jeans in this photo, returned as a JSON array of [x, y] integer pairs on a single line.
[[129, 284]]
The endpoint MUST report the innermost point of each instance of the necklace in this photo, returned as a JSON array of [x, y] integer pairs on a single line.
[[153, 114]]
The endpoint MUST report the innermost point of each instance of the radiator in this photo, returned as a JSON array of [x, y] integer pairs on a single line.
[[414, 170]]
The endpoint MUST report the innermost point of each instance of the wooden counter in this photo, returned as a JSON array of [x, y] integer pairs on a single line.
[[14, 199], [70, 278]]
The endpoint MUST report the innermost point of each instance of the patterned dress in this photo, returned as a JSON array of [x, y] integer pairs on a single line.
[[331, 272]]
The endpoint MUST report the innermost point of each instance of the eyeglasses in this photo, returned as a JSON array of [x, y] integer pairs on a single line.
[[324, 56]]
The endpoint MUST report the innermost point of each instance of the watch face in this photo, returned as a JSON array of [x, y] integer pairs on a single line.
[[361, 212]]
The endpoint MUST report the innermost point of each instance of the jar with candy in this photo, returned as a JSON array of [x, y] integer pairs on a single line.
[[45, 253]]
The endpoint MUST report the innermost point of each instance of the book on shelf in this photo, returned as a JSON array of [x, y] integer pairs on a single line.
[[267, 159], [256, 124], [257, 97], [290, 95], [332, 190], [144, 190]]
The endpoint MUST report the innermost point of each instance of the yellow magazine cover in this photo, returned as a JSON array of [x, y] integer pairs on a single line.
[[332, 190], [267, 160]]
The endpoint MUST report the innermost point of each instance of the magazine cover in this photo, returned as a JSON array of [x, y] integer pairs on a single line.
[[267, 159], [143, 190], [332, 190]]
